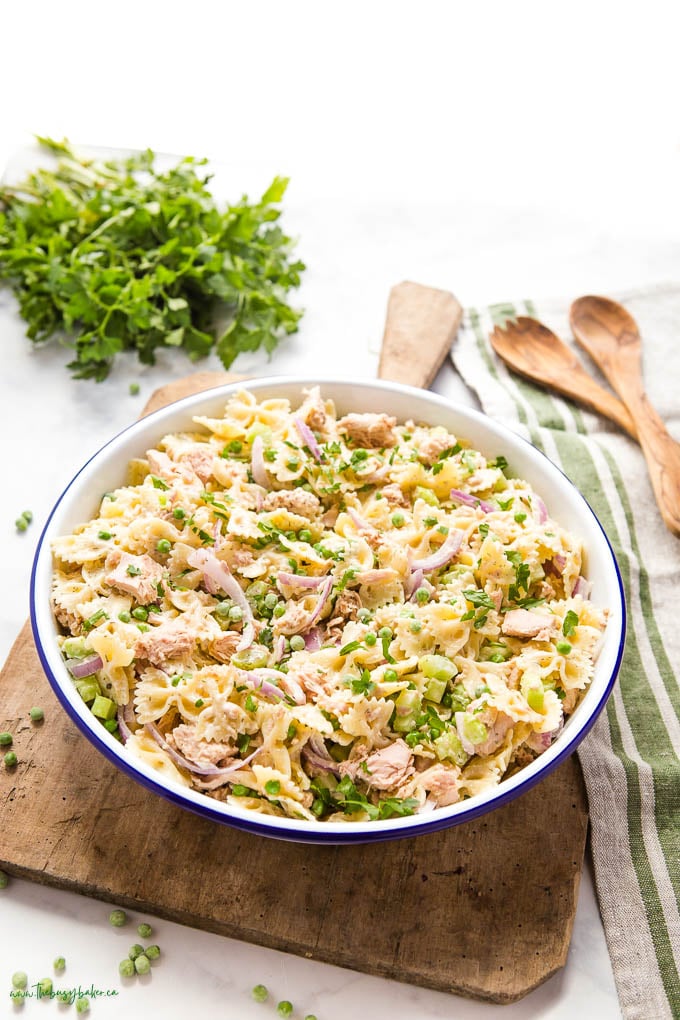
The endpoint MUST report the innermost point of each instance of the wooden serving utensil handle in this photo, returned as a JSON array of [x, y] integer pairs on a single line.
[[618, 356], [420, 328]]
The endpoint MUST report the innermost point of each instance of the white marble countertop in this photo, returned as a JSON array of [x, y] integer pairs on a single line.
[[483, 150]]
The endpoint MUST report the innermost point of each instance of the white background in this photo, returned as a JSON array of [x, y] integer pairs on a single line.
[[501, 150]]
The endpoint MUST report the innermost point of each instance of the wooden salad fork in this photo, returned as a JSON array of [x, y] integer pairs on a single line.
[[611, 337], [534, 351]]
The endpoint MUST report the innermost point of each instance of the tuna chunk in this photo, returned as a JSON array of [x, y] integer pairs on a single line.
[[135, 575], [374, 430], [294, 620], [498, 724], [313, 411], [388, 767], [297, 501], [223, 647], [442, 784], [523, 623], [395, 495], [434, 445], [200, 459], [203, 753], [170, 640], [346, 608]]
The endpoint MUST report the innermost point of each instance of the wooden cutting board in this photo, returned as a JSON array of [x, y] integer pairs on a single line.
[[485, 909]]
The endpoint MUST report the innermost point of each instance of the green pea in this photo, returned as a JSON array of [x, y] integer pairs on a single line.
[[117, 918], [19, 979], [59, 964], [178, 513], [11, 759], [390, 675], [135, 951], [563, 647], [422, 596], [152, 952], [385, 633], [305, 535], [415, 626], [126, 968], [297, 642], [44, 986], [364, 615], [284, 1008], [27, 515], [279, 609], [37, 714], [141, 613], [163, 546], [63, 996], [271, 600], [144, 930], [5, 739], [133, 389], [370, 639], [310, 1016], [236, 613], [222, 609], [260, 993], [142, 965], [83, 1005], [4, 879], [125, 616], [104, 535], [398, 519]]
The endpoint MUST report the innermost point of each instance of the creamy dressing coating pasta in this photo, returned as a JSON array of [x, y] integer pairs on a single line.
[[322, 617]]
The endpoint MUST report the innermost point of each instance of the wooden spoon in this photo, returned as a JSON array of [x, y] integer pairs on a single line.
[[611, 337], [533, 350]]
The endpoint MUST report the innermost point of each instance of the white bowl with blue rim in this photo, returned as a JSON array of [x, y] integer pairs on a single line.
[[106, 470]]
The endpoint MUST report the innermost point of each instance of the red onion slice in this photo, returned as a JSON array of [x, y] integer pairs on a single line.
[[582, 587], [218, 572], [308, 438], [286, 684], [316, 754], [443, 555], [80, 668], [179, 759], [257, 465], [542, 514], [361, 524], [298, 580], [474, 501], [123, 728], [376, 576], [324, 595], [312, 640]]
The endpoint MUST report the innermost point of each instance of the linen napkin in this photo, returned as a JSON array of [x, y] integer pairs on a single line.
[[631, 758]]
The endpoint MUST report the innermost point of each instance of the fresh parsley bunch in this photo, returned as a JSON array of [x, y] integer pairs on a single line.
[[116, 255]]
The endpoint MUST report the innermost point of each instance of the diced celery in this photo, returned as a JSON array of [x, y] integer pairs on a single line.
[[88, 688], [460, 699], [474, 729], [437, 667], [434, 690], [420, 492], [103, 707], [535, 699], [254, 657], [75, 648], [408, 706], [448, 745], [495, 651], [259, 429]]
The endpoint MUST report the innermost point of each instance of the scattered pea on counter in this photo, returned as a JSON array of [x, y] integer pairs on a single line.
[[6, 739], [37, 714], [142, 964], [59, 964], [117, 918], [10, 759], [24, 520], [284, 1008], [144, 930], [82, 1005], [134, 389], [126, 967], [4, 879], [19, 979], [260, 993]]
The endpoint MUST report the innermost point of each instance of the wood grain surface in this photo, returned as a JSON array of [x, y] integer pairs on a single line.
[[485, 909]]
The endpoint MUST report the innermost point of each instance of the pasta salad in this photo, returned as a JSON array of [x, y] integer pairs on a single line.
[[323, 617]]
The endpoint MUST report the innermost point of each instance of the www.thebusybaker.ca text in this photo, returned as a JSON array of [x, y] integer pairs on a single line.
[[35, 992]]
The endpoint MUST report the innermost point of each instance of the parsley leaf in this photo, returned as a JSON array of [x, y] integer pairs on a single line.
[[121, 255]]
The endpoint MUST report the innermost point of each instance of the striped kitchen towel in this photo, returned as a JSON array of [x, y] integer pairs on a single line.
[[631, 758]]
